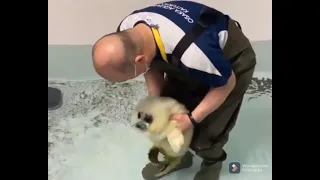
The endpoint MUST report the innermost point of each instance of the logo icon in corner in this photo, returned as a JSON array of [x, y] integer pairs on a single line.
[[234, 167]]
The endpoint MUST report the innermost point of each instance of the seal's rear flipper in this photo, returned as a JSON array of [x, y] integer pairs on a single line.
[[150, 171]]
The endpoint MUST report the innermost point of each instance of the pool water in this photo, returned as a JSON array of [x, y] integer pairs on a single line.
[[90, 136]]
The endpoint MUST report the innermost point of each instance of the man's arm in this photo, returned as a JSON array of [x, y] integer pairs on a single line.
[[154, 81], [213, 100]]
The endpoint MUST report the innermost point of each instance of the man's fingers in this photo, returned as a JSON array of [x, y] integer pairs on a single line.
[[176, 116]]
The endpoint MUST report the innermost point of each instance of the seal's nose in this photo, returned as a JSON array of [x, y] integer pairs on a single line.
[[138, 126], [141, 126]]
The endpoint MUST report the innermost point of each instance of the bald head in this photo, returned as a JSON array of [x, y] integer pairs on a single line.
[[114, 52], [117, 56]]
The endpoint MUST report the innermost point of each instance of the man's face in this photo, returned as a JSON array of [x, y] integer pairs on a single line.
[[118, 76], [114, 75]]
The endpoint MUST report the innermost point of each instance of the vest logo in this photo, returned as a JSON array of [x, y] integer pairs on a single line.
[[177, 9]]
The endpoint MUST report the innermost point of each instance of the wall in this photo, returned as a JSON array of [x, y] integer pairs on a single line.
[[74, 25]]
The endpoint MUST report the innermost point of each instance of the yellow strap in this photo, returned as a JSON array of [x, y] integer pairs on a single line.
[[160, 43]]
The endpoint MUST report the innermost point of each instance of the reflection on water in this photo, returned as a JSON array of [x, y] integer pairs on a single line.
[[90, 136]]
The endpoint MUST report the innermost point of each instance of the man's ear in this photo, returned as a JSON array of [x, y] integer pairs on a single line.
[[140, 59]]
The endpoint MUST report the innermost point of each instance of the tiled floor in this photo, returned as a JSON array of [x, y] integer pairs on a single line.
[[90, 137]]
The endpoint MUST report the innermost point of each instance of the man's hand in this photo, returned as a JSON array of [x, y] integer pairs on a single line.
[[183, 120]]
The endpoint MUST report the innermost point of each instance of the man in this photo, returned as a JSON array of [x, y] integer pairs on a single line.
[[208, 64]]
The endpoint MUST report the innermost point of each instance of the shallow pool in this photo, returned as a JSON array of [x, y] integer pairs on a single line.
[[90, 136]]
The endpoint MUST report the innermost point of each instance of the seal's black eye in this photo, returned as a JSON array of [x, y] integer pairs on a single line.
[[148, 119], [139, 115]]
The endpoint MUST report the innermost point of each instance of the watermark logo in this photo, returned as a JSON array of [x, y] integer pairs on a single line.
[[234, 167]]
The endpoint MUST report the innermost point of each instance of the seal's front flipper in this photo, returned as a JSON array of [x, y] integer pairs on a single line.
[[176, 140]]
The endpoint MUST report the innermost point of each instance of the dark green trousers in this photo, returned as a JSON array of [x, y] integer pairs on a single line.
[[213, 132]]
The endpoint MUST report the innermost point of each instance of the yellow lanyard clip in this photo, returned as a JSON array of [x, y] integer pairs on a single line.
[[159, 43]]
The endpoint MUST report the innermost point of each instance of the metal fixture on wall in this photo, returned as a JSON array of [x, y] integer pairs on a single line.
[[54, 98]]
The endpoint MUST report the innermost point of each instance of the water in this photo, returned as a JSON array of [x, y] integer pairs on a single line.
[[90, 136]]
